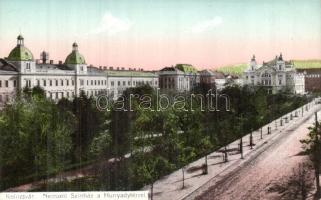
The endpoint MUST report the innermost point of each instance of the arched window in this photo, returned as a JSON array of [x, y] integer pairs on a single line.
[[266, 79]]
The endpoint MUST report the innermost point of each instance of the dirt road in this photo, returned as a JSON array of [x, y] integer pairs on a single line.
[[275, 164]]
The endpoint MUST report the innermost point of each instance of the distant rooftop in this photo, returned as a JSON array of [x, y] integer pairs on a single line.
[[187, 68]]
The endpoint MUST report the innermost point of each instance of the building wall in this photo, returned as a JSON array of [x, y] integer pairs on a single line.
[[312, 79], [8, 86], [279, 76]]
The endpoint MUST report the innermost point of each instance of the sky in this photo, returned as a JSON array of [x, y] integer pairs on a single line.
[[152, 34]]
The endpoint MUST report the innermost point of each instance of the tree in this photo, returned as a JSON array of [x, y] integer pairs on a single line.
[[312, 146], [35, 138], [90, 122]]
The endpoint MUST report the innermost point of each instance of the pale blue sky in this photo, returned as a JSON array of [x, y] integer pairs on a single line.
[[152, 23]]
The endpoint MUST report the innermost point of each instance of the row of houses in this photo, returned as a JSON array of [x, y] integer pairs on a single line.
[[69, 78]]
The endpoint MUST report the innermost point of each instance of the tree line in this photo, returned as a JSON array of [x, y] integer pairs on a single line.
[[40, 138]]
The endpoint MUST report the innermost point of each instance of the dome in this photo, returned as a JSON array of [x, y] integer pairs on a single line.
[[75, 57], [20, 52]]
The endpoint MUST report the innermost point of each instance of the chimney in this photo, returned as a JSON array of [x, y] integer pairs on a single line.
[[105, 67], [123, 68], [117, 68], [134, 69], [51, 62], [60, 62], [100, 67], [111, 68], [141, 69], [129, 68]]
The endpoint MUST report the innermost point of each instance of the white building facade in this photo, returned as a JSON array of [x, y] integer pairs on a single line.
[[68, 79], [181, 78], [276, 75]]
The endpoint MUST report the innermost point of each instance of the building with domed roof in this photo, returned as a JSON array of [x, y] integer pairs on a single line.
[[276, 75], [68, 79]]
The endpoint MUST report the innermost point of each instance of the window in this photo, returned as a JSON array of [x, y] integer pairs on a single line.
[[280, 67], [280, 82], [81, 68], [28, 83], [44, 83], [0, 98], [62, 82], [81, 82], [0, 83], [112, 83], [72, 82], [28, 66], [56, 82], [128, 83], [118, 83], [50, 82], [124, 83], [67, 82], [92, 82], [14, 83]]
